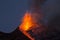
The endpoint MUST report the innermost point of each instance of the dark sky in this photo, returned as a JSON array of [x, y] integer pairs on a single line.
[[11, 12]]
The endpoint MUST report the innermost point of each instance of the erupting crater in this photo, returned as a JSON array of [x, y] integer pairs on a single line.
[[29, 25]]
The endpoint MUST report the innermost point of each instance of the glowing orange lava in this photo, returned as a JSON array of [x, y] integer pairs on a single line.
[[26, 24]]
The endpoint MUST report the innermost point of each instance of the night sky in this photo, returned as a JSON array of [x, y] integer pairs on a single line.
[[11, 12]]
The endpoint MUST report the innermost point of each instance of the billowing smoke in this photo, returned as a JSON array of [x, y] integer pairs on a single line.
[[51, 10]]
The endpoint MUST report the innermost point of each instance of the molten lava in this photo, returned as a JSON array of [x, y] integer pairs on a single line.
[[30, 22], [26, 24]]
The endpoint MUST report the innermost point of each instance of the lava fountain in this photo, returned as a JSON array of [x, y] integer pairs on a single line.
[[27, 23], [31, 25]]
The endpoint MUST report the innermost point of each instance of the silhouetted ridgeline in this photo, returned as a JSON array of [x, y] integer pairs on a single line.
[[15, 35]]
